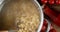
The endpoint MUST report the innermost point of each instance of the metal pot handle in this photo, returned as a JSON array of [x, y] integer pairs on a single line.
[[1, 1]]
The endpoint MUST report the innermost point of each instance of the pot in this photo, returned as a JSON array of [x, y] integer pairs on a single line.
[[38, 7]]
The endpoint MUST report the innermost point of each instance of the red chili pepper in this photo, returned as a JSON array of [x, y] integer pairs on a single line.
[[43, 29], [49, 12], [45, 23], [51, 27], [43, 1], [52, 30], [57, 20], [52, 15], [44, 26], [57, 2], [51, 1], [47, 1]]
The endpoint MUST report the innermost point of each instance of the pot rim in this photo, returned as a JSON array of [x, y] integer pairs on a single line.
[[41, 15]]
